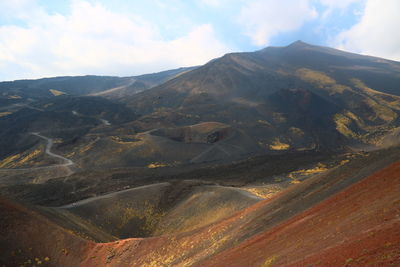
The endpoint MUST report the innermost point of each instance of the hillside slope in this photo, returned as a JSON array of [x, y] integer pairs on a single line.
[[21, 90], [280, 99], [348, 215], [354, 215], [285, 97]]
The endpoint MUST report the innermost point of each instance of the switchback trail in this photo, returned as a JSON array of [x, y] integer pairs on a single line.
[[67, 163]]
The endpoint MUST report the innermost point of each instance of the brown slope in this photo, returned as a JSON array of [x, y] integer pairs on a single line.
[[40, 232], [359, 227], [200, 245], [153, 210], [169, 146], [289, 219], [26, 237]]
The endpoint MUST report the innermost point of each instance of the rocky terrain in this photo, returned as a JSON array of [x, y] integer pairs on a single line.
[[287, 156]]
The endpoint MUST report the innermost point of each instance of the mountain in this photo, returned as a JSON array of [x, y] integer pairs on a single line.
[[66, 107], [287, 156], [347, 215], [66, 117], [22, 90], [141, 83], [276, 100], [296, 97]]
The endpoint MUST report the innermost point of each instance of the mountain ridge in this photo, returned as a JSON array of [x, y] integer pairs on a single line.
[[247, 80], [283, 156]]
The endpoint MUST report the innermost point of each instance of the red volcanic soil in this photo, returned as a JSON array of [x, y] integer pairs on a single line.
[[29, 239], [359, 226], [347, 217]]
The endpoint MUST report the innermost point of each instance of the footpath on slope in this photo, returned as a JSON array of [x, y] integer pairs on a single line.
[[67, 163]]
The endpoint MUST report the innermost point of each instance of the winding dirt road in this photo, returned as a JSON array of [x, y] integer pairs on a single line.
[[67, 163], [110, 195]]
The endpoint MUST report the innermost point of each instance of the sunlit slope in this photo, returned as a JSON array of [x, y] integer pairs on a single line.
[[162, 208], [359, 226], [280, 230], [347, 214]]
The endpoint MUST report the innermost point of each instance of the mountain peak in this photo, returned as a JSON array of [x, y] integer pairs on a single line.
[[295, 45], [298, 44]]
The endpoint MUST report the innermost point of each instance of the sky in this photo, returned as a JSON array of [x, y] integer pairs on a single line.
[[46, 38]]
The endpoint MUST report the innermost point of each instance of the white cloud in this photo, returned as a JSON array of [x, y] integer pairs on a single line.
[[94, 40], [264, 18], [17, 8], [377, 31], [338, 3], [212, 3], [332, 5]]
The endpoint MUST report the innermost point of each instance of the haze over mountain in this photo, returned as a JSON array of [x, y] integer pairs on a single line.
[[187, 156], [82, 85]]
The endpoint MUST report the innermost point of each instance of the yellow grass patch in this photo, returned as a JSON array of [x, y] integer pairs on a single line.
[[269, 261], [263, 192], [319, 168], [70, 155], [6, 113], [14, 97], [56, 92], [264, 122], [156, 165], [9, 161], [30, 156], [86, 148], [322, 80], [316, 77], [296, 131], [119, 140], [278, 145], [278, 117], [18, 159], [149, 213], [389, 99], [342, 125], [382, 103]]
